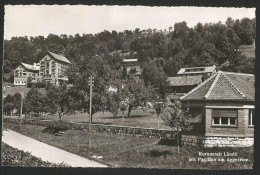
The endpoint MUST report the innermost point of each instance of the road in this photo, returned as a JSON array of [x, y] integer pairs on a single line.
[[46, 152]]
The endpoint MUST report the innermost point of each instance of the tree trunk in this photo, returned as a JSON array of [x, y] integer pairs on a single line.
[[158, 122], [129, 110], [178, 139], [59, 115]]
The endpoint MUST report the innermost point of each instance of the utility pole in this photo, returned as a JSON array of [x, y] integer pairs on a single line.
[[21, 108], [91, 81]]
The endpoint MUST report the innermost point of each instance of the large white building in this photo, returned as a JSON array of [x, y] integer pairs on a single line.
[[53, 68], [23, 71]]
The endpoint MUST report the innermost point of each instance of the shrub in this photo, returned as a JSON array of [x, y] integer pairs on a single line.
[[156, 153], [14, 157]]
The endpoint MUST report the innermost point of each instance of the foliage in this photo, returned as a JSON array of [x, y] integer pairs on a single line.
[[114, 100], [211, 43], [136, 93], [123, 108], [178, 119], [104, 77], [29, 82], [14, 157], [17, 98], [138, 153], [57, 99], [12, 102], [158, 108], [154, 75], [35, 101]]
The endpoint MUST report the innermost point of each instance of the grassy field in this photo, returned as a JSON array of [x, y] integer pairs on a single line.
[[138, 118], [247, 50], [122, 151], [18, 89]]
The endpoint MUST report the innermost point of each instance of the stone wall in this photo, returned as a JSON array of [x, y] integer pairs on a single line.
[[227, 141], [186, 139]]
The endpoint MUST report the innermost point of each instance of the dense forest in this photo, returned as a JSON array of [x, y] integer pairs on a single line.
[[167, 50]]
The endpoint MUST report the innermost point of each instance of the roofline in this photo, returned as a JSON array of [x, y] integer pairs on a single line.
[[198, 67], [220, 100], [198, 72], [32, 70], [212, 86], [184, 85], [129, 60], [50, 53], [232, 85], [238, 73], [189, 76], [201, 84]]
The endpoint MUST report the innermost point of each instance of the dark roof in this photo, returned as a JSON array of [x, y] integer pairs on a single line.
[[185, 80], [224, 86], [59, 57]]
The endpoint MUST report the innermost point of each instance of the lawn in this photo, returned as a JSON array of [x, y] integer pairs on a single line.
[[247, 50], [18, 89], [138, 118], [125, 151]]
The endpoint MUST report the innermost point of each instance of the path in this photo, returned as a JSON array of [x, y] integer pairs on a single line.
[[46, 152]]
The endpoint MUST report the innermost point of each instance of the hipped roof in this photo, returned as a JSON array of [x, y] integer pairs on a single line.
[[224, 86]]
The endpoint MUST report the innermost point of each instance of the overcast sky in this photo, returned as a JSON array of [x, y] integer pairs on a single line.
[[33, 20]]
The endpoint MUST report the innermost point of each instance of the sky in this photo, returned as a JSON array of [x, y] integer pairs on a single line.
[[35, 20]]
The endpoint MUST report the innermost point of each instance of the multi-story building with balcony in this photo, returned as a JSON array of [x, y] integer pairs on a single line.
[[53, 68], [23, 71]]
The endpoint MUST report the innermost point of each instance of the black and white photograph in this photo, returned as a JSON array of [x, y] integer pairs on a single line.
[[109, 86]]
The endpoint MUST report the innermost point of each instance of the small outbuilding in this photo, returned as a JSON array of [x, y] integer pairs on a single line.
[[223, 110]]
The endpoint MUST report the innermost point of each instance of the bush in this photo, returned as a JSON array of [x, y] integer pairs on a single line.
[[14, 157], [56, 126], [156, 153]]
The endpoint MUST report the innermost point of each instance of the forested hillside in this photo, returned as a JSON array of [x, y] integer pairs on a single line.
[[169, 50]]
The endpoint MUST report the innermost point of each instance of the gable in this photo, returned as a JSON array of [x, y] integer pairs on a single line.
[[46, 58]]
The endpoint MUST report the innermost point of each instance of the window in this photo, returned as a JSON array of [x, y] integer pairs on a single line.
[[224, 117], [251, 117]]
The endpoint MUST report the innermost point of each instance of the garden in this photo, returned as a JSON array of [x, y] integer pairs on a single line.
[[126, 151]]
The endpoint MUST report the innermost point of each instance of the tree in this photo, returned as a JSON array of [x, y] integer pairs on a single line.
[[29, 82], [35, 101], [158, 110], [8, 104], [136, 93], [114, 100], [137, 31], [57, 99], [123, 108], [246, 31], [124, 75], [17, 98], [154, 76], [178, 119], [103, 76]]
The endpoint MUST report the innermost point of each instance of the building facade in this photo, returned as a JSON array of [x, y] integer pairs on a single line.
[[53, 68], [23, 71], [223, 110]]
